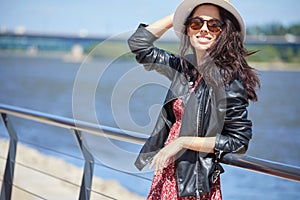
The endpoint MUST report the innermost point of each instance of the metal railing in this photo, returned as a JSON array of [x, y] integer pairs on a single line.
[[244, 161]]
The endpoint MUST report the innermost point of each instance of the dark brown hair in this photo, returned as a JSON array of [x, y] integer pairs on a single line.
[[228, 54]]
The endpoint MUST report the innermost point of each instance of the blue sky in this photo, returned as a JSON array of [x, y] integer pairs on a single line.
[[96, 17]]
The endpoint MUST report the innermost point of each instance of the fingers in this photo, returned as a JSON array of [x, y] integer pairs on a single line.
[[160, 164], [152, 163], [155, 162], [159, 160]]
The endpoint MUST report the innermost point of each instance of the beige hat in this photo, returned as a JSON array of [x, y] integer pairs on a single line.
[[187, 6]]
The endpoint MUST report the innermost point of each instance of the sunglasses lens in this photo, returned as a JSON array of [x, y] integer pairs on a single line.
[[196, 23], [213, 25]]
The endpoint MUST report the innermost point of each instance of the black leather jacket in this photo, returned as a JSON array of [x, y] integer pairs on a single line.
[[215, 112]]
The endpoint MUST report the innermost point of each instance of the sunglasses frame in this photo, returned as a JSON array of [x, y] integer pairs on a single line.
[[215, 28]]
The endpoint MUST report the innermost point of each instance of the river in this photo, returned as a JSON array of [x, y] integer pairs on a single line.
[[121, 94]]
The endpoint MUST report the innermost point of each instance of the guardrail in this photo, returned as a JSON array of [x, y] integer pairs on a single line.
[[245, 161]]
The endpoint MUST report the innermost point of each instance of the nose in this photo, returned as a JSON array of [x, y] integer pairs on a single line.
[[204, 28]]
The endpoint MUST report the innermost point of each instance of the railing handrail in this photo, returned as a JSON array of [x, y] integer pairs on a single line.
[[247, 162], [73, 124]]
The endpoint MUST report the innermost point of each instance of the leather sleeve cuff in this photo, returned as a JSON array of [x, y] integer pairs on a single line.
[[141, 38], [227, 144], [219, 146]]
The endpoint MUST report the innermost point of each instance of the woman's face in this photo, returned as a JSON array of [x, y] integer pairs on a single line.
[[203, 38]]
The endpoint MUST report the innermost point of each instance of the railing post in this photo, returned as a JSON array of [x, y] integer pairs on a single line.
[[8, 178], [87, 178]]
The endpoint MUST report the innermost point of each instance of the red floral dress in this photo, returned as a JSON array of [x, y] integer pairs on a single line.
[[164, 184]]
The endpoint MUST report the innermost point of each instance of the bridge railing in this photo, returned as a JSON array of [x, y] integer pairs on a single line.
[[77, 127]]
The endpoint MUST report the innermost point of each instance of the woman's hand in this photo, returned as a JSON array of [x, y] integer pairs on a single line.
[[201, 144], [162, 158]]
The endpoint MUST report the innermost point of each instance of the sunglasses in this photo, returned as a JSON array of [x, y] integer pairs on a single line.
[[196, 23]]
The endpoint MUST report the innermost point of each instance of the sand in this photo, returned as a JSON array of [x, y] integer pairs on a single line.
[[39, 183]]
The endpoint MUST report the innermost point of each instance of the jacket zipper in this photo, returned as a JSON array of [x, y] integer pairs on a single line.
[[197, 162], [197, 180], [207, 102]]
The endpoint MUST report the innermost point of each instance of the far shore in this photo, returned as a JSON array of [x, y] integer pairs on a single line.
[[275, 66], [31, 178]]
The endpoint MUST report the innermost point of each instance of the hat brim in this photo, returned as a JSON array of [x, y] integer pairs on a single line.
[[187, 6]]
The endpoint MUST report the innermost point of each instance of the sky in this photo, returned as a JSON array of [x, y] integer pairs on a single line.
[[109, 17]]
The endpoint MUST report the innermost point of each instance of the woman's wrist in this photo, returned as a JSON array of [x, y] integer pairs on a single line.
[[202, 144], [184, 142], [159, 27]]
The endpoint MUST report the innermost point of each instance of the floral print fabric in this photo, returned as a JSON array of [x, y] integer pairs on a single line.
[[164, 184]]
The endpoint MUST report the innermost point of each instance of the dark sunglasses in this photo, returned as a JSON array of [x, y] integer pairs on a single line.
[[196, 23]]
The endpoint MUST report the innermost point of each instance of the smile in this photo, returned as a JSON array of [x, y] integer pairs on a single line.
[[203, 39]]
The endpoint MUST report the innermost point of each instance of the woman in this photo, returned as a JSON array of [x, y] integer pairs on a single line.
[[204, 115]]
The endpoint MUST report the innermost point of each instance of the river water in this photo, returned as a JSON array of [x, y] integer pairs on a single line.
[[121, 94]]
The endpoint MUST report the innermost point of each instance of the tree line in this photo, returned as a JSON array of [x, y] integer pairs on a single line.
[[274, 29]]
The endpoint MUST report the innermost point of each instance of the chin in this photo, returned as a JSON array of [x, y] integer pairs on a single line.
[[199, 47]]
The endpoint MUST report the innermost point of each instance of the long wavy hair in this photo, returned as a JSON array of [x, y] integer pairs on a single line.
[[229, 56]]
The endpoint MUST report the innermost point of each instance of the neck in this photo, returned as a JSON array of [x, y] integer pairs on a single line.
[[199, 56]]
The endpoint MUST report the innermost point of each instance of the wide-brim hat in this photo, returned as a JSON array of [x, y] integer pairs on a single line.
[[187, 6]]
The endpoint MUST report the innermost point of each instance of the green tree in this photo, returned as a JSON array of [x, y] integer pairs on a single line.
[[274, 29], [294, 29]]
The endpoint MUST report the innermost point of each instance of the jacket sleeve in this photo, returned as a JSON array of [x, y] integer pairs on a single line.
[[237, 129], [153, 58]]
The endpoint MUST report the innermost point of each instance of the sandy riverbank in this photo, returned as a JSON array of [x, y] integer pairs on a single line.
[[48, 187]]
